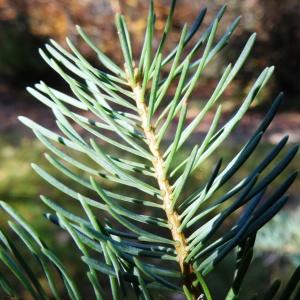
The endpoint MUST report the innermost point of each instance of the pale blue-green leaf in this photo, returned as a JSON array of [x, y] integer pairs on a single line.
[[71, 287], [166, 31], [125, 46], [154, 88], [179, 184], [173, 104], [62, 187], [182, 119], [164, 87], [193, 30], [207, 139], [105, 60], [125, 212], [26, 269], [97, 288], [18, 273], [143, 235]]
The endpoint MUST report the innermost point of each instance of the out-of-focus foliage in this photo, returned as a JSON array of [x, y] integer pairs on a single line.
[[277, 23], [281, 237]]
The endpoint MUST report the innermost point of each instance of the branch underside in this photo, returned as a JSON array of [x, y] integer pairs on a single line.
[[166, 193]]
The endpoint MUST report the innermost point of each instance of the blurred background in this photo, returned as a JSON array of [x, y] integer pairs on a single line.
[[26, 25]]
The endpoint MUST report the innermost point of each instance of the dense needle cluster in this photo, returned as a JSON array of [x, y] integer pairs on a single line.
[[147, 238]]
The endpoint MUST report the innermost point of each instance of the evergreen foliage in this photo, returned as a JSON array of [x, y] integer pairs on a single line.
[[148, 238]]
